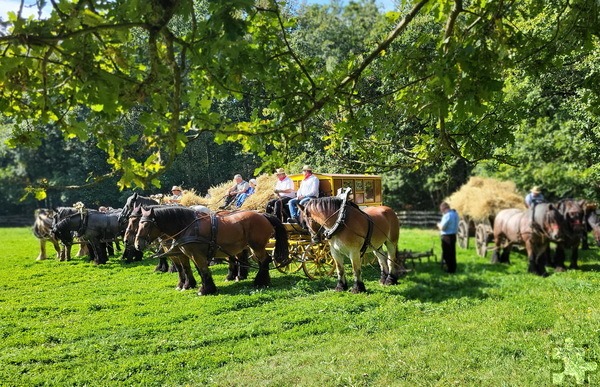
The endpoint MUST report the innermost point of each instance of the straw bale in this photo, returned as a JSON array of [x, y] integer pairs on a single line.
[[258, 201], [481, 198]]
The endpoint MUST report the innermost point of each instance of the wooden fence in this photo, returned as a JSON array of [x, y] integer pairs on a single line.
[[420, 219], [16, 220]]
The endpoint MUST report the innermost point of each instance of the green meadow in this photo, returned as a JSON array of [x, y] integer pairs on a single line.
[[75, 324]]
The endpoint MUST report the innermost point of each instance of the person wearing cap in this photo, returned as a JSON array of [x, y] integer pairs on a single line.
[[534, 197], [284, 190], [448, 227], [175, 195], [309, 189], [243, 196], [239, 186]]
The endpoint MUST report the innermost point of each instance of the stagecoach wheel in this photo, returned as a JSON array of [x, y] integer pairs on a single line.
[[481, 237], [296, 250], [463, 234], [317, 261]]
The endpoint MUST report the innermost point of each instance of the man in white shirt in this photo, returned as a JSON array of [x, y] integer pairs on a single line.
[[309, 189], [284, 189]]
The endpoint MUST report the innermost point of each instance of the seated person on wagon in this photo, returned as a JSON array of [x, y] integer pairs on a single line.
[[175, 198], [239, 186], [309, 189], [284, 189], [243, 196]]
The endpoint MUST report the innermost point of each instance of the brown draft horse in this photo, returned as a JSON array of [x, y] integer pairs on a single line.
[[534, 227], [202, 238], [353, 232], [180, 261]]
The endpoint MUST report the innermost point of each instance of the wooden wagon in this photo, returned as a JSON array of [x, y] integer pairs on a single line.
[[481, 229], [478, 202]]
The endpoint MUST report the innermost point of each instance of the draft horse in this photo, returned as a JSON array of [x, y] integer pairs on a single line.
[[202, 238], [42, 230], [534, 227], [95, 227], [573, 212], [352, 232], [129, 252], [180, 261]]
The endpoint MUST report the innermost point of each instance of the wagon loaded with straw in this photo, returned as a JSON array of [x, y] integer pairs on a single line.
[[477, 202]]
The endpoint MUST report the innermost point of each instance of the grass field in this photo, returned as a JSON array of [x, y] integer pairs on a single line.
[[73, 323]]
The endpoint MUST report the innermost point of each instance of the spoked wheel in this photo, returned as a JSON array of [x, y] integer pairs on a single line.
[[481, 237], [317, 260], [296, 251], [463, 234]]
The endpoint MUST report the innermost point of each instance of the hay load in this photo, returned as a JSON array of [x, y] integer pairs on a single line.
[[481, 198], [258, 201]]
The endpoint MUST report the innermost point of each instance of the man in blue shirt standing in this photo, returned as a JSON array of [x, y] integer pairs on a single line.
[[448, 229]]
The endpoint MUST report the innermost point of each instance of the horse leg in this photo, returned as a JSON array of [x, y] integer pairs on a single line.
[[56, 247], [103, 258], [263, 277], [42, 254], [559, 258], [393, 262], [342, 285], [505, 256], [190, 280], [232, 268], [383, 265], [163, 265], [180, 273], [192, 251], [541, 263], [574, 256], [359, 285], [243, 264]]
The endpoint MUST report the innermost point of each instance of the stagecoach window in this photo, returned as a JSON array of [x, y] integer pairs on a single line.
[[348, 184], [369, 191], [359, 185]]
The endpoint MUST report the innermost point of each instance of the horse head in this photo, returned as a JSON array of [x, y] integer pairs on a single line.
[[554, 224], [132, 225], [573, 213], [147, 229], [307, 222]]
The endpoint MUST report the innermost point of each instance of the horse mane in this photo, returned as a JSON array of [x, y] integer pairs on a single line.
[[328, 205], [175, 215]]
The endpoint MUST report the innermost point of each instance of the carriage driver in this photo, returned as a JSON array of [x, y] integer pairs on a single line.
[[535, 196], [309, 189]]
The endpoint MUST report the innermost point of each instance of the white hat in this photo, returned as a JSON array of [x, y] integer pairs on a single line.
[[176, 188], [252, 181]]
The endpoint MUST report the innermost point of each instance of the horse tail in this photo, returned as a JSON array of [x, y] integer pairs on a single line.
[[281, 254]]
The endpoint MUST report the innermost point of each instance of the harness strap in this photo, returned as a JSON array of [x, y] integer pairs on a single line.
[[212, 244], [84, 223], [341, 215], [367, 241]]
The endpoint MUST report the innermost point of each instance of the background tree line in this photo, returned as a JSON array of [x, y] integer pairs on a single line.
[[192, 92]]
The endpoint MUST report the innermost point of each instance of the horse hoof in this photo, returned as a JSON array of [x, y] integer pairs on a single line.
[[340, 288], [560, 269], [391, 280]]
